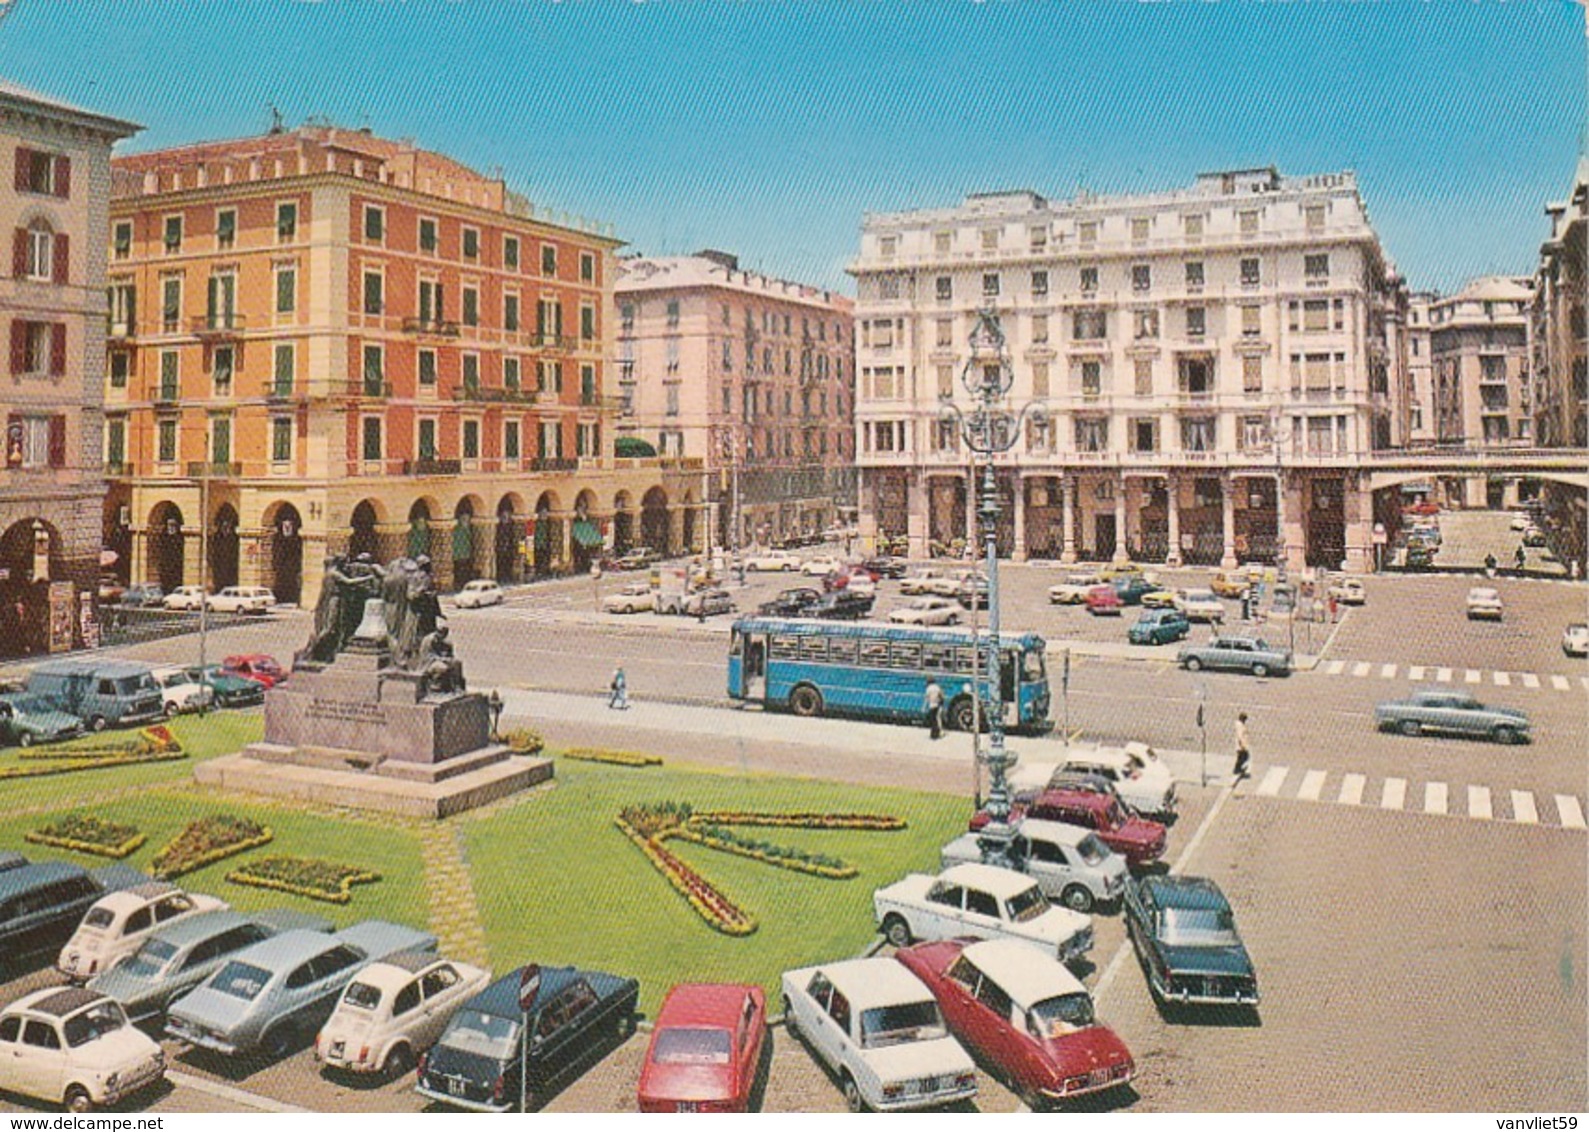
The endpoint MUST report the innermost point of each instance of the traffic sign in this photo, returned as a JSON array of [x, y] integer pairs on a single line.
[[529, 986]]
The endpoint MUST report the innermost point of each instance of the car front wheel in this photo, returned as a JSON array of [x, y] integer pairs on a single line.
[[1504, 734], [1260, 670], [78, 1100], [852, 1095], [897, 931], [1077, 897], [24, 738], [1410, 727], [1193, 664]]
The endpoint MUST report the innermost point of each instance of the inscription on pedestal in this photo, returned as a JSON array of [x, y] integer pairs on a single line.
[[342, 711]]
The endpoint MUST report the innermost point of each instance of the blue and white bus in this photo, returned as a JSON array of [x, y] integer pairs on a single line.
[[880, 672]]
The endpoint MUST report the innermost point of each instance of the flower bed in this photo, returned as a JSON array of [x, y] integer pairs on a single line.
[[710, 904], [523, 741], [783, 856], [304, 876], [71, 764], [615, 758], [206, 841], [879, 822], [87, 834], [151, 744]]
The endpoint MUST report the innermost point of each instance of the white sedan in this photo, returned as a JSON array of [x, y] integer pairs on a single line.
[[480, 592], [242, 599], [820, 565], [1073, 590], [1575, 639], [775, 560], [180, 691], [928, 611], [633, 598], [185, 597], [1484, 601], [1201, 605], [917, 581]]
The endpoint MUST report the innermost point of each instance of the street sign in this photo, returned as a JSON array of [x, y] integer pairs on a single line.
[[529, 986]]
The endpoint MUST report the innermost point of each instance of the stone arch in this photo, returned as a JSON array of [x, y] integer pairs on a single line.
[[30, 555], [507, 537], [223, 546], [547, 541], [166, 545], [622, 522], [284, 557], [586, 530], [364, 528], [654, 526]]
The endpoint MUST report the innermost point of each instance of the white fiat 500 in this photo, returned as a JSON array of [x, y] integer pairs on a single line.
[[878, 1027], [395, 1010], [118, 924], [74, 1047]]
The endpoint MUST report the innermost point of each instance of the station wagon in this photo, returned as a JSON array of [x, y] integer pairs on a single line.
[[41, 903]]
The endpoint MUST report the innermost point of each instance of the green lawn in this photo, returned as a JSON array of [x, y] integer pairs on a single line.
[[558, 883]]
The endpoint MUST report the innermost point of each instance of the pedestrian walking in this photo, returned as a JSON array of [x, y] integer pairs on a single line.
[[1489, 565], [1335, 609], [935, 708], [1522, 558], [1243, 753], [618, 691]]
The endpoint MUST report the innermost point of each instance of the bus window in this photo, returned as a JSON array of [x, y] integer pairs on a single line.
[[1032, 668], [842, 650], [785, 648], [874, 654], [1007, 678], [935, 658], [966, 660], [814, 648], [736, 645], [905, 656]]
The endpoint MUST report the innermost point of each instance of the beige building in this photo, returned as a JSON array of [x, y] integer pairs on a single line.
[[1213, 360], [1479, 348], [1420, 369], [52, 302], [1560, 336], [748, 374], [323, 341]]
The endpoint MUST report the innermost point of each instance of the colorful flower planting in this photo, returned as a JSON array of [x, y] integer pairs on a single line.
[[523, 741], [649, 826], [304, 876], [206, 841], [150, 745], [83, 833], [614, 758]]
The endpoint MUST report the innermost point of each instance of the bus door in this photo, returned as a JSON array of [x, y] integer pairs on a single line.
[[754, 667]]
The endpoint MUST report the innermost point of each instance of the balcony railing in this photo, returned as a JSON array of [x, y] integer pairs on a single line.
[[553, 464], [218, 324], [436, 327], [552, 341], [369, 387], [494, 395], [213, 469], [430, 466]]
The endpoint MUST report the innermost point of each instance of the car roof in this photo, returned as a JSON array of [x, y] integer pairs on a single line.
[[875, 982], [27, 877], [501, 998], [58, 1001], [1000, 882], [103, 668], [205, 925], [396, 970], [136, 896], [1062, 833], [703, 1004], [1101, 756], [1185, 892], [1025, 973], [288, 949], [1484, 591]]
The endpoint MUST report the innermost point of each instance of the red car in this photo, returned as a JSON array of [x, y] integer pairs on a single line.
[[1422, 507], [1103, 601], [706, 1051], [1138, 840], [255, 666], [1023, 1015], [841, 579]]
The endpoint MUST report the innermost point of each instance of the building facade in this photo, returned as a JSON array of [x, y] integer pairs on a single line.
[[323, 342], [52, 300], [1213, 360], [1420, 369], [749, 374]]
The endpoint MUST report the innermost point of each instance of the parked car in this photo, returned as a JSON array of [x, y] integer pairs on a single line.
[[1159, 627], [980, 901], [394, 1010], [119, 922], [636, 558], [1521, 521], [1201, 605], [711, 601], [1132, 588], [181, 954], [255, 666], [1454, 713], [110, 590], [949, 585], [791, 603], [917, 581], [1185, 935], [843, 605], [1418, 557], [1229, 583], [241, 599], [1138, 840], [927, 611], [1348, 591], [1139, 777], [188, 598], [478, 594], [1575, 639], [878, 1027], [230, 691], [99, 692], [1484, 602], [1422, 507], [635, 597], [886, 566], [1238, 654], [821, 564], [75, 1048], [972, 593], [143, 594], [853, 579], [1103, 601], [1073, 590], [42, 902], [26, 720], [1068, 863], [1535, 536], [1161, 599], [706, 1049], [1123, 570], [781, 561], [275, 994], [180, 690], [1024, 1015], [478, 1062]]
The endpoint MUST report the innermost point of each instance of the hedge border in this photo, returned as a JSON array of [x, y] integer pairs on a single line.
[[210, 857], [342, 895], [93, 848], [612, 758], [92, 763]]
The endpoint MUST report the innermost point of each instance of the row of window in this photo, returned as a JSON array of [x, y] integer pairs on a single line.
[[889, 288], [172, 231], [41, 173], [432, 307], [754, 403], [770, 321], [1317, 435]]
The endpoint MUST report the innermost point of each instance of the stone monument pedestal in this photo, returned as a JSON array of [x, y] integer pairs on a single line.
[[354, 733]]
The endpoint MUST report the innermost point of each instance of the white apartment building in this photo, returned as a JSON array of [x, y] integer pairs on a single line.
[[1420, 369], [1213, 360]]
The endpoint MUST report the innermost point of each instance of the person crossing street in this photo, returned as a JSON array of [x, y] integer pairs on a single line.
[[1243, 751]]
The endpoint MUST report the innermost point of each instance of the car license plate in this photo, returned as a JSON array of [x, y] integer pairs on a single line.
[[337, 1048], [687, 1106], [1098, 1077], [454, 1087]]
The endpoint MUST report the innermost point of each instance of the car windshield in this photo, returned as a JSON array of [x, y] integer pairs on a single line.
[[362, 995], [1199, 927], [150, 959], [906, 1022], [1058, 1016], [98, 918], [98, 1020], [31, 705], [1092, 851], [488, 1034], [1026, 906], [127, 685], [691, 1046], [240, 980]]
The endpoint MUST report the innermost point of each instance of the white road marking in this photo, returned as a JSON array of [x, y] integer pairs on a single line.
[[1415, 672], [1443, 675], [1312, 783], [1502, 679], [1571, 813], [1523, 807], [1530, 680], [1479, 802], [1584, 680], [1334, 667], [1273, 780], [1361, 668], [1434, 798], [1388, 671], [1560, 683], [1352, 790], [1473, 676], [1395, 794]]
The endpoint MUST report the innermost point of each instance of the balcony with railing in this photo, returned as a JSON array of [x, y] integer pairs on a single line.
[[431, 466], [219, 325], [494, 395], [544, 341], [431, 327], [553, 464], [213, 469]]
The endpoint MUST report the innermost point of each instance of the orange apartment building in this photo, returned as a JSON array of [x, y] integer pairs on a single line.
[[324, 342]]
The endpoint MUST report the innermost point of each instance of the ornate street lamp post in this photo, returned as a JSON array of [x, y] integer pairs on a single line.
[[989, 428]]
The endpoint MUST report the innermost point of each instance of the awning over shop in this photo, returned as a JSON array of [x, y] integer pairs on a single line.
[[586, 534]]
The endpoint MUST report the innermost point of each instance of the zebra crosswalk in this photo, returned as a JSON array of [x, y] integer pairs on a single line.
[[1471, 800], [1470, 677]]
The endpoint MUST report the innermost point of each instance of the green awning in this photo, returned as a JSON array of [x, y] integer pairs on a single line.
[[462, 538], [586, 534], [418, 538]]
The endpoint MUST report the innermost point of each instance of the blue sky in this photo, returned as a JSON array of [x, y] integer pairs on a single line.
[[769, 127]]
